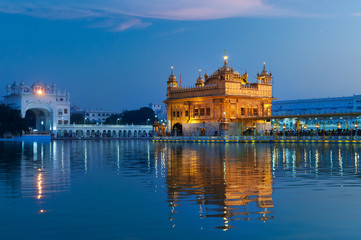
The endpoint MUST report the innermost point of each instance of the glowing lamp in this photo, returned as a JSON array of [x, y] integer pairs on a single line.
[[305, 127], [284, 126], [225, 57], [39, 92], [317, 125], [338, 125]]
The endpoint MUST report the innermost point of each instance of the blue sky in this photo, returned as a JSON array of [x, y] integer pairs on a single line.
[[116, 54]]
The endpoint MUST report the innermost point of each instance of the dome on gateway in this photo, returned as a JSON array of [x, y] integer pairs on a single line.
[[38, 84], [38, 88]]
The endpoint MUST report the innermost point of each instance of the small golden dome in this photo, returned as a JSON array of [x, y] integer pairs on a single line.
[[206, 76], [200, 80], [171, 76]]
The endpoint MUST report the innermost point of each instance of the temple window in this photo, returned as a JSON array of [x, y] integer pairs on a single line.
[[65, 121], [202, 112], [65, 111], [255, 112], [186, 114], [243, 111], [60, 122], [177, 114], [208, 111], [173, 114], [60, 112], [196, 112]]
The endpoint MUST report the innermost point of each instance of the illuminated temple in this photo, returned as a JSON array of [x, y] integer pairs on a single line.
[[223, 103]]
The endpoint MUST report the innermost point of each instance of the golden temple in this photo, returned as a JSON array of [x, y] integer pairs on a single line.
[[219, 104]]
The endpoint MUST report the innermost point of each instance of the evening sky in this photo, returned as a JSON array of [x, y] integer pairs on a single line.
[[117, 54]]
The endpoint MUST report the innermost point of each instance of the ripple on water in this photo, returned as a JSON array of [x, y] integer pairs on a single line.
[[211, 186]]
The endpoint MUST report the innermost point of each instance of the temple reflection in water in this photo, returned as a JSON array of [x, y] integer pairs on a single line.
[[230, 182], [216, 184]]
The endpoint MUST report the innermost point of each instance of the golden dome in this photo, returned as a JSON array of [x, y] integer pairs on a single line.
[[200, 80], [172, 80], [264, 71], [172, 77]]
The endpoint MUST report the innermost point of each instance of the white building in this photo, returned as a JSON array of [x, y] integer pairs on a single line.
[[160, 110], [43, 106], [98, 116], [303, 109], [317, 106]]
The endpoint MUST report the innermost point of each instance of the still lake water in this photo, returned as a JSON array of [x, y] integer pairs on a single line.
[[143, 190]]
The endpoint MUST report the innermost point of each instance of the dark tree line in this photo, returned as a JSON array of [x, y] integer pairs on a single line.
[[77, 118], [11, 122], [114, 119], [136, 117], [144, 115]]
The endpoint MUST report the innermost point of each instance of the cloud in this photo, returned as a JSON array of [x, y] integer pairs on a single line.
[[120, 15], [357, 14], [195, 10], [44, 10], [131, 23]]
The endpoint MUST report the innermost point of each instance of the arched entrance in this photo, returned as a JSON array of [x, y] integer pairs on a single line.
[[39, 119], [177, 129]]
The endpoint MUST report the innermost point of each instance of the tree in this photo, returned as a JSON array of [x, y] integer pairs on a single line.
[[11, 121], [77, 118], [144, 115], [113, 119]]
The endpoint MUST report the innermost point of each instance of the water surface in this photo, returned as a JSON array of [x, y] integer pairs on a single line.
[[136, 189]]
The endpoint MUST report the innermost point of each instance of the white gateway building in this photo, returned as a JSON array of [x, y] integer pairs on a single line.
[[44, 107]]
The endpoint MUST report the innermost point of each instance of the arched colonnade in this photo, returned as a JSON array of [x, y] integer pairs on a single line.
[[104, 131]]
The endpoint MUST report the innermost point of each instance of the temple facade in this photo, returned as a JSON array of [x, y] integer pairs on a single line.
[[43, 106], [223, 103]]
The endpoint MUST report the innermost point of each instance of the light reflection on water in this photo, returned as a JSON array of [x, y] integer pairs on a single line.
[[183, 186], [229, 183]]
